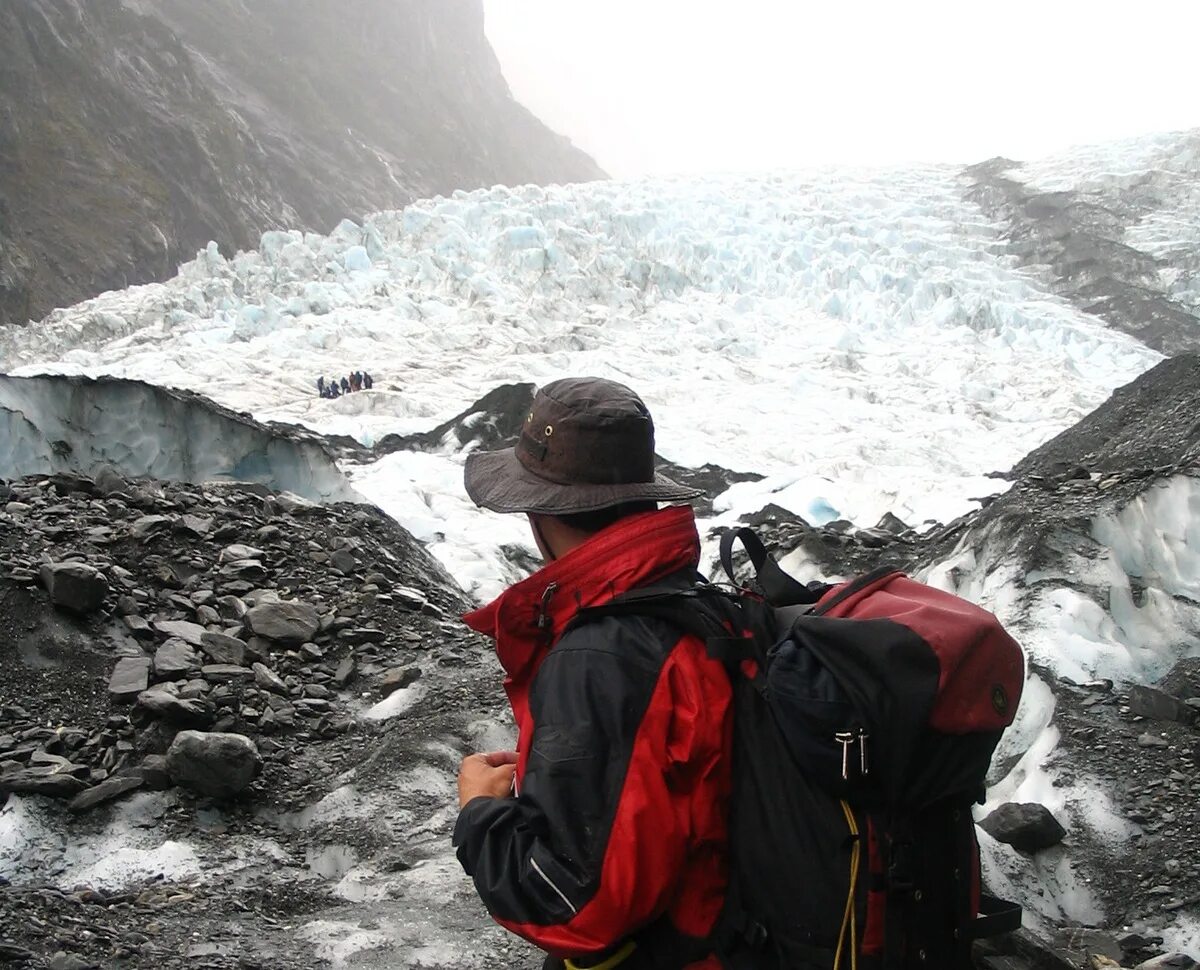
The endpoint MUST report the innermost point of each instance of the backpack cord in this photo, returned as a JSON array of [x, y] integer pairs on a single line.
[[850, 916]]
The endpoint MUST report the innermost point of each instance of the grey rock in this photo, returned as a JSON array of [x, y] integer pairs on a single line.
[[129, 678], [69, 961], [410, 599], [230, 607], [362, 635], [190, 633], [398, 678], [195, 525], [1025, 826], [268, 680], [139, 626], [346, 671], [106, 791], [1158, 705], [181, 711], [216, 765], [250, 569], [1152, 741], [285, 622], [1169, 961], [223, 649], [41, 781], [344, 560], [75, 586], [223, 673], [153, 770], [174, 660], [109, 481], [150, 525], [238, 551]]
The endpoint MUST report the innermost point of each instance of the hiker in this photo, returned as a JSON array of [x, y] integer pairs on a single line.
[[367, 382], [622, 766], [333, 388], [320, 386], [618, 834], [345, 386]]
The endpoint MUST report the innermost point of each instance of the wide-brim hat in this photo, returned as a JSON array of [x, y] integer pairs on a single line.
[[587, 444]]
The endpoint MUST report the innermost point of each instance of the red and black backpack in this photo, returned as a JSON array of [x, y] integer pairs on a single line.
[[865, 718]]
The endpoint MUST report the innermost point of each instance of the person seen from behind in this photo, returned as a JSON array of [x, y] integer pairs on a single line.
[[602, 838]]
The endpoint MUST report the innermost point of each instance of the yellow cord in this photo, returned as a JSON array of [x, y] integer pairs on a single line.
[[615, 960], [850, 914]]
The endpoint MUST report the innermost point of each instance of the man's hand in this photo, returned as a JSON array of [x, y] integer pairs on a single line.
[[486, 774]]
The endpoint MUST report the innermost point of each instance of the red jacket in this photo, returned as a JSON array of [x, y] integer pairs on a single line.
[[624, 736]]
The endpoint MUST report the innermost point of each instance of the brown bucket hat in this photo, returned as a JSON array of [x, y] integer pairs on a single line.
[[587, 444]]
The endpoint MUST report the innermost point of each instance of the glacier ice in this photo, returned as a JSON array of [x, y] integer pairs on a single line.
[[866, 332], [50, 424]]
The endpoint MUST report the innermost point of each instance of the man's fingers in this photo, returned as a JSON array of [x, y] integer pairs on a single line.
[[498, 758]]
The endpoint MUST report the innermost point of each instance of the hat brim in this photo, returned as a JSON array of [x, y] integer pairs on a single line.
[[496, 480]]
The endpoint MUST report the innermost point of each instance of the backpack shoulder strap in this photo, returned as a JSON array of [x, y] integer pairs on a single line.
[[704, 611], [779, 588]]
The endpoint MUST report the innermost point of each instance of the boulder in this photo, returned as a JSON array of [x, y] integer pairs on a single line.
[[174, 660], [106, 791], [215, 765], [75, 586], [268, 680], [149, 525], [238, 551], [223, 673], [45, 780], [190, 633], [129, 678], [1158, 705], [1025, 826], [221, 648], [286, 621], [177, 710]]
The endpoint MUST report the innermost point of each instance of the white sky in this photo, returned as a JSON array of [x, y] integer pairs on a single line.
[[660, 86]]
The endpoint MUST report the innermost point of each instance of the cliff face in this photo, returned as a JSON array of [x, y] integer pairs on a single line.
[[133, 131]]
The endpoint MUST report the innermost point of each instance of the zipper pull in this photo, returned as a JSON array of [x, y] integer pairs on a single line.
[[845, 738], [862, 751], [543, 618]]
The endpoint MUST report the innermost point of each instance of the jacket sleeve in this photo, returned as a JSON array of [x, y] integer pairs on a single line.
[[592, 846]]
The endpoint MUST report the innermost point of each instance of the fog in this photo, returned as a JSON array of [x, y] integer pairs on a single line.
[[672, 86]]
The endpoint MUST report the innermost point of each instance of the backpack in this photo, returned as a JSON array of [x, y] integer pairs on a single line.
[[864, 719]]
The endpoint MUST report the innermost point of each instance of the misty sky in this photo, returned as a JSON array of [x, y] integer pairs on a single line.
[[660, 86]]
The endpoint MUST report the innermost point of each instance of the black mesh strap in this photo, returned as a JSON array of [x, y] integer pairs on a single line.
[[779, 588], [996, 916]]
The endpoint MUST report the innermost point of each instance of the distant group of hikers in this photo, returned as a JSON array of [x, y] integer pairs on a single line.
[[358, 381]]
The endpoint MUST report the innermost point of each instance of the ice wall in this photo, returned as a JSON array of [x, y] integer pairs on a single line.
[[50, 424]]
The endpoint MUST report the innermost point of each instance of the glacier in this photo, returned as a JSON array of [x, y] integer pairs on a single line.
[[862, 338]]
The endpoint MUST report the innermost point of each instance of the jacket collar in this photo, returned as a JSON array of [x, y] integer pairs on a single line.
[[528, 617]]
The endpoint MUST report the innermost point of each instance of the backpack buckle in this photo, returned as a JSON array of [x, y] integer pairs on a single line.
[[755, 934]]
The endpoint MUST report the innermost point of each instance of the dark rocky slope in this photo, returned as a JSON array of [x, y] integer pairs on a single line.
[[1077, 239], [132, 133]]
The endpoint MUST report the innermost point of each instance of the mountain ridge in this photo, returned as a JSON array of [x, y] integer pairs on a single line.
[[134, 133]]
